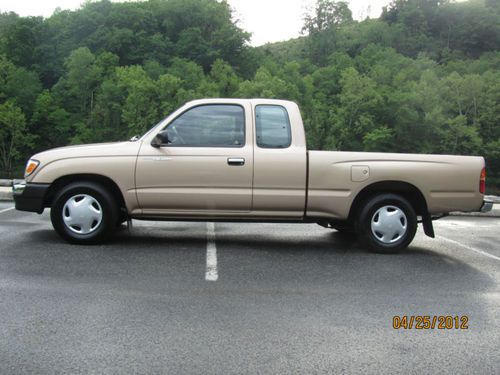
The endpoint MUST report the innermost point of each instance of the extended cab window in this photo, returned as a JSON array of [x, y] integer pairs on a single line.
[[214, 125], [272, 126]]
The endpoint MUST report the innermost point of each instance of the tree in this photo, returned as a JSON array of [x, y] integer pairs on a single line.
[[50, 123], [19, 38], [190, 72], [459, 138], [169, 87], [139, 111], [355, 117], [322, 26], [265, 85], [380, 139], [193, 46], [19, 84], [14, 136], [327, 15], [424, 77], [82, 77], [224, 77]]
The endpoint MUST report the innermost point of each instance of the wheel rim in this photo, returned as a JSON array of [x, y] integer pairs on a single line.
[[82, 214], [389, 224]]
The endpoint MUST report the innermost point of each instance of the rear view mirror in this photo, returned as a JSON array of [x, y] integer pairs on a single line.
[[161, 139]]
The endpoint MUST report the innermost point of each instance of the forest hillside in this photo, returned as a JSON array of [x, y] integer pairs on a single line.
[[424, 77]]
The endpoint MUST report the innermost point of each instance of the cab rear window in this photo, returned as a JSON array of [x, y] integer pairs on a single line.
[[272, 126]]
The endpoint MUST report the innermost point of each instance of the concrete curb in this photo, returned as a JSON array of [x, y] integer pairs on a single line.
[[495, 199], [5, 193], [495, 212]]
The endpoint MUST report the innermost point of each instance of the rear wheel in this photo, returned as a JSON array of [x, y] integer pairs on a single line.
[[387, 223], [84, 213]]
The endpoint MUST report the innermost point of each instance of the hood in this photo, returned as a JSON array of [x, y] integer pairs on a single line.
[[93, 152], [126, 148]]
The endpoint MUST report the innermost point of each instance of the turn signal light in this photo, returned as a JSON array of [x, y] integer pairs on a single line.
[[482, 181], [30, 167]]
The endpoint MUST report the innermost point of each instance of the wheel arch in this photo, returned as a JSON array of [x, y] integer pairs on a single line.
[[105, 182], [405, 189]]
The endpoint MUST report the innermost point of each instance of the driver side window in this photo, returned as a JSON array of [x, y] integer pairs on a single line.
[[212, 125]]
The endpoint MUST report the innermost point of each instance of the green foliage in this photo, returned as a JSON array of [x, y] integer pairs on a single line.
[[13, 134], [169, 87], [424, 77], [323, 25], [138, 111], [18, 83], [327, 14], [82, 78], [224, 78], [356, 115], [50, 122], [379, 139], [267, 85]]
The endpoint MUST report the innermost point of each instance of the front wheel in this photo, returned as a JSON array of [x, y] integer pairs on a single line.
[[387, 223], [84, 213]]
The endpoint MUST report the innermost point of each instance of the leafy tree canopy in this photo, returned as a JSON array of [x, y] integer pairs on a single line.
[[424, 77]]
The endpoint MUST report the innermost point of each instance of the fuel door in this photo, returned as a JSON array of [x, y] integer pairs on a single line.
[[360, 173]]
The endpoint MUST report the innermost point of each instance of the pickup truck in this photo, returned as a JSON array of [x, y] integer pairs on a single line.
[[246, 160]]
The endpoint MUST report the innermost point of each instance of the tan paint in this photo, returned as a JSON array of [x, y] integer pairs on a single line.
[[441, 179], [113, 160], [279, 182], [360, 173], [175, 179], [196, 182]]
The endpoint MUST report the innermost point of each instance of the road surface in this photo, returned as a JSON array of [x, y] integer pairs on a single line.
[[221, 298]]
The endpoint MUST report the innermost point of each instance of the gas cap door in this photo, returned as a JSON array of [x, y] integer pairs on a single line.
[[360, 173]]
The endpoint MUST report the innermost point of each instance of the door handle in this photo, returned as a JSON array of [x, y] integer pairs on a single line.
[[236, 161]]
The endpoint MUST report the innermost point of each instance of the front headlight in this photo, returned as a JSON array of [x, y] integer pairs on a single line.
[[31, 165]]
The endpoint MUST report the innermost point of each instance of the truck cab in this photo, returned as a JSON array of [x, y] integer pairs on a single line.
[[225, 158]]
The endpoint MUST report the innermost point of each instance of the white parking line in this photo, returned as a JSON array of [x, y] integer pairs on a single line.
[[6, 209], [469, 248], [211, 273]]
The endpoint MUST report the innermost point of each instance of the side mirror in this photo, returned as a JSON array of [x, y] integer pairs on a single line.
[[161, 139]]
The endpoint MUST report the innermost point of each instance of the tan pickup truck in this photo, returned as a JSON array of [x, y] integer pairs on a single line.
[[246, 160]]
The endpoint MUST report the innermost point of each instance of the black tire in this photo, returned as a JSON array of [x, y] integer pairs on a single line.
[[108, 212], [405, 225]]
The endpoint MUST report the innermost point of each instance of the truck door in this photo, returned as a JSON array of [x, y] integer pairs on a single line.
[[206, 166], [280, 160]]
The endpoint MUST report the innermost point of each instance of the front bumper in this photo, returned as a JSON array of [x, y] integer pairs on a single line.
[[29, 196], [487, 206]]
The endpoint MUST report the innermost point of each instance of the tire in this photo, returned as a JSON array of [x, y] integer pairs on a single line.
[[387, 223], [84, 213]]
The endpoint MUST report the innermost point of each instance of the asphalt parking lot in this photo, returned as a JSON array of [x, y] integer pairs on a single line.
[[198, 298]]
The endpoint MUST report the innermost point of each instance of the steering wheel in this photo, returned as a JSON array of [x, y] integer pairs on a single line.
[[174, 136]]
